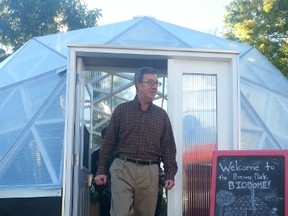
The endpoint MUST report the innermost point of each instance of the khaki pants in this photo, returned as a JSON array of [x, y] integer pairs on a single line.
[[134, 188]]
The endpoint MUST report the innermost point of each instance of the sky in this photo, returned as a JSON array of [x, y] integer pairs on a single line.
[[201, 15]]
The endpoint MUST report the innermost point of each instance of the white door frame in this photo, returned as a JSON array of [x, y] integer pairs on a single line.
[[140, 52]]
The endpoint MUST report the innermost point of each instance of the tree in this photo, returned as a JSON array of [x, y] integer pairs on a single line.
[[262, 24], [22, 20]]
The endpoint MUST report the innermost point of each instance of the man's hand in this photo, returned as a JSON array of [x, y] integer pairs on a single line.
[[169, 184], [100, 179]]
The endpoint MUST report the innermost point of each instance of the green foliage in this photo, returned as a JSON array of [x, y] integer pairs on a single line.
[[3, 54], [22, 20], [262, 24], [94, 196], [163, 207], [76, 15]]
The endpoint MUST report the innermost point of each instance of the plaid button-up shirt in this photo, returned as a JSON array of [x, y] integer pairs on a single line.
[[145, 135]]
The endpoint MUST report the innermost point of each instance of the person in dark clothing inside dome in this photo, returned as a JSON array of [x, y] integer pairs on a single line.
[[104, 193]]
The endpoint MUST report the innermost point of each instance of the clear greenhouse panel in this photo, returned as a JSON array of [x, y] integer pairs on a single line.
[[31, 60], [32, 132]]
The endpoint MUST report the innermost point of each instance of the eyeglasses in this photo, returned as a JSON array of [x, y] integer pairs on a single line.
[[152, 82]]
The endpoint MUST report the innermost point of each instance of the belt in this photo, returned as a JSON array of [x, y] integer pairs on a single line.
[[137, 161]]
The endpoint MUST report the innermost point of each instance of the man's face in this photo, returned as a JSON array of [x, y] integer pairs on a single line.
[[147, 89]]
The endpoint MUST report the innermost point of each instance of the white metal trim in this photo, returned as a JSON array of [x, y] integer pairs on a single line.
[[69, 135], [29, 193], [131, 49], [175, 196]]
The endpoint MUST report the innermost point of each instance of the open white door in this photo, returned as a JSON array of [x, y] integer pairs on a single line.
[[82, 144], [204, 111]]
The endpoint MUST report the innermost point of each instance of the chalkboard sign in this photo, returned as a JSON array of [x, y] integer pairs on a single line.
[[250, 183]]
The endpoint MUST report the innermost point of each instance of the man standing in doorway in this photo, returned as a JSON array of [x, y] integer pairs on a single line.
[[139, 135]]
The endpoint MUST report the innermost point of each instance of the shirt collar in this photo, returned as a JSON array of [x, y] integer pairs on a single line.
[[137, 103]]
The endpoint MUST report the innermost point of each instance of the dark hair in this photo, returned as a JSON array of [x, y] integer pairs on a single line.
[[138, 77]]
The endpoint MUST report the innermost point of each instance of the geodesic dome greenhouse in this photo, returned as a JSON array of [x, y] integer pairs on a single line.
[[33, 96]]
